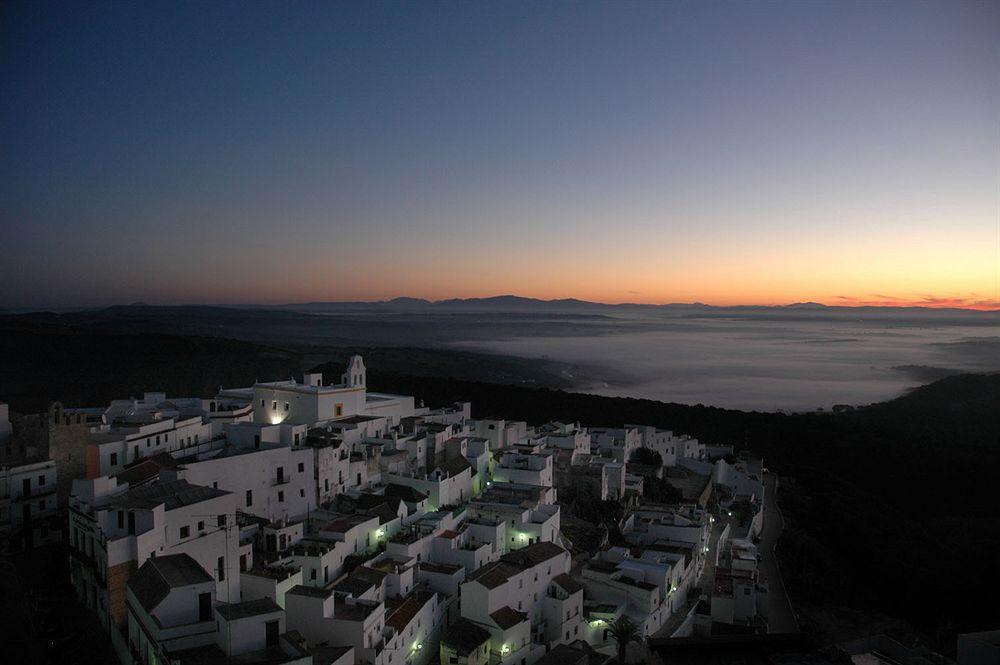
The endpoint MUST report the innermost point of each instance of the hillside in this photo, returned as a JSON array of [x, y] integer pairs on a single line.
[[964, 410], [881, 513], [883, 503]]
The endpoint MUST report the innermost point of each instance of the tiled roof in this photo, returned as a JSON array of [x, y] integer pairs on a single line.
[[146, 469], [158, 575], [171, 493], [567, 583], [507, 617], [405, 612], [455, 466], [465, 637], [494, 574], [534, 554], [405, 492]]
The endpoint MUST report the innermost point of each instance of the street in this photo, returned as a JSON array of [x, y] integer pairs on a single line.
[[781, 617]]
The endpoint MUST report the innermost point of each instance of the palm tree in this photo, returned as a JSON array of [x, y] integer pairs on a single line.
[[623, 631]]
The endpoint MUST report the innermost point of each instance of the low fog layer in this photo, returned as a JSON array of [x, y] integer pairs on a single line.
[[767, 364]]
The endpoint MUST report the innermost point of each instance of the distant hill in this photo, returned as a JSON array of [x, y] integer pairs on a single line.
[[520, 303]]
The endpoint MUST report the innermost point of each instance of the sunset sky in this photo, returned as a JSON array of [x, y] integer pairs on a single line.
[[728, 153]]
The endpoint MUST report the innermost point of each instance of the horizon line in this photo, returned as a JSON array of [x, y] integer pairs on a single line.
[[841, 302]]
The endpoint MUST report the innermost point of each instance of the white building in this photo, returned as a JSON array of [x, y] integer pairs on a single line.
[[525, 468], [115, 529], [526, 601], [277, 483], [616, 442], [28, 502], [312, 402]]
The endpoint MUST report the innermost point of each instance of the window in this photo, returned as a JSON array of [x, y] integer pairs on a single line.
[[312, 574], [201, 526], [204, 607], [326, 485], [286, 406], [280, 473], [121, 519], [249, 498], [302, 467], [222, 568], [338, 410], [114, 459], [131, 523], [41, 481], [281, 497], [262, 404], [274, 405], [302, 493], [157, 439], [221, 521], [185, 531]]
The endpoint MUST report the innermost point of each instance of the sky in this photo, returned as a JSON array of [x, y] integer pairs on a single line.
[[727, 153]]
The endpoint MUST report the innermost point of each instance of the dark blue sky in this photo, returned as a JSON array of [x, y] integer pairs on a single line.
[[724, 152]]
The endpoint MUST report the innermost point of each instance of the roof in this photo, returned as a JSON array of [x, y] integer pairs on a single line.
[[443, 568], [248, 608], [639, 584], [385, 513], [355, 420], [344, 523], [146, 469], [533, 554], [455, 466], [312, 591], [507, 617], [327, 655], [158, 575], [465, 637], [354, 611], [567, 583], [406, 611], [494, 574], [360, 580], [171, 493], [405, 492], [564, 654]]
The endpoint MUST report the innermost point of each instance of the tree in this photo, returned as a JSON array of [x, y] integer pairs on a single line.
[[622, 630], [647, 456]]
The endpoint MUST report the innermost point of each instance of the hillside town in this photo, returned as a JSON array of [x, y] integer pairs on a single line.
[[316, 521]]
